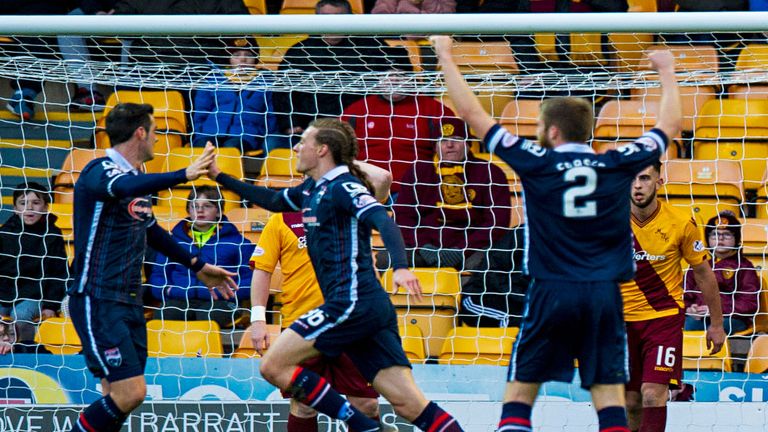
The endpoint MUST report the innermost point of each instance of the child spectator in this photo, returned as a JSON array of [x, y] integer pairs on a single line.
[[234, 117], [208, 234], [33, 262], [736, 277]]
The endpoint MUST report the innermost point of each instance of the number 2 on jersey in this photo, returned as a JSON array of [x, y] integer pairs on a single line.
[[588, 208]]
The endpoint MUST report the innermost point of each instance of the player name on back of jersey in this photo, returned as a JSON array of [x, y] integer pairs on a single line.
[[586, 162], [645, 256]]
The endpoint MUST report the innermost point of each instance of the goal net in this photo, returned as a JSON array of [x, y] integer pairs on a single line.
[[253, 89]]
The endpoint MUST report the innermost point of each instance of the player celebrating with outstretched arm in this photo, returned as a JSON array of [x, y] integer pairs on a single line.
[[113, 226], [357, 318], [577, 214]]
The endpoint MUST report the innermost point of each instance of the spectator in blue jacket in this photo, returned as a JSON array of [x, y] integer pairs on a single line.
[[208, 234], [229, 111]]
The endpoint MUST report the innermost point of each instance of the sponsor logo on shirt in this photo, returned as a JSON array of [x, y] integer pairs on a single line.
[[533, 148], [140, 209], [645, 256], [363, 200], [302, 242], [354, 189], [259, 251], [698, 246]]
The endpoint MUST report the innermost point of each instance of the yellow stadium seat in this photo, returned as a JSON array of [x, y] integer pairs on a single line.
[[696, 356], [630, 49], [245, 348], [586, 49], [738, 119], [757, 358], [515, 184], [167, 338], [747, 91], [626, 118], [58, 335], [753, 57], [478, 346], [521, 116], [480, 57], [76, 160], [64, 214], [436, 314], [692, 99], [279, 170], [272, 49], [700, 59], [642, 6], [256, 7], [228, 160], [751, 155], [249, 221], [705, 187], [414, 51], [293, 7], [754, 237], [169, 112], [413, 343], [168, 216]]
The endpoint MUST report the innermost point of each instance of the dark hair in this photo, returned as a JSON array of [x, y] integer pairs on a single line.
[[340, 138], [335, 3], [33, 187], [656, 165], [211, 193], [125, 118], [725, 220], [573, 116]]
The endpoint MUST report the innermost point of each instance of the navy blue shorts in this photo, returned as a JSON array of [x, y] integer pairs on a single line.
[[113, 334], [567, 321], [368, 336]]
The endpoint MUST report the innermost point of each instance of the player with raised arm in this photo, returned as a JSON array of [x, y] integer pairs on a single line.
[[113, 224], [357, 318], [577, 214], [284, 241], [653, 300]]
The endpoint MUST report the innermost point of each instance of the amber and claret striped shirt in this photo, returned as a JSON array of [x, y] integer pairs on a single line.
[[660, 244]]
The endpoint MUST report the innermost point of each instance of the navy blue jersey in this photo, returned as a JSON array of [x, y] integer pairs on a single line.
[[577, 204], [336, 210], [110, 225]]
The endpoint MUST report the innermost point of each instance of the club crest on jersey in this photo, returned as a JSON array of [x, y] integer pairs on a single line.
[[648, 143], [698, 246], [533, 148], [113, 357], [140, 209]]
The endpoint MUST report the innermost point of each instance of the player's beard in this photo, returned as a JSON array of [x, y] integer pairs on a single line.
[[646, 202]]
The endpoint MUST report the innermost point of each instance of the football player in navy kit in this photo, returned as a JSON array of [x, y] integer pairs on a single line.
[[357, 317], [578, 241], [113, 224]]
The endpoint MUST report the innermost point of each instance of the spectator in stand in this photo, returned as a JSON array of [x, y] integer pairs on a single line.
[[209, 235], [395, 129], [736, 276], [228, 114], [74, 50], [327, 53], [22, 101], [414, 6], [7, 337], [33, 262], [454, 208]]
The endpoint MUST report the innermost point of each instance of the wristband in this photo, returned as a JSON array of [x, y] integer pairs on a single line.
[[258, 313], [198, 265]]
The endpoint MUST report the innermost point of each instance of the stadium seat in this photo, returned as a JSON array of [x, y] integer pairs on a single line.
[[58, 335], [168, 216], [176, 199], [520, 117], [747, 91], [484, 57], [436, 314], [413, 343], [630, 49], [757, 358], [293, 7], [256, 7], [515, 184], [739, 119], [754, 237], [167, 338], [76, 160], [704, 187], [64, 213], [586, 49], [753, 57], [279, 170], [692, 99], [169, 113], [696, 355], [626, 119], [272, 49], [518, 210], [642, 6], [245, 348], [228, 160], [760, 320], [751, 155], [478, 346], [249, 221], [414, 51], [700, 59]]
